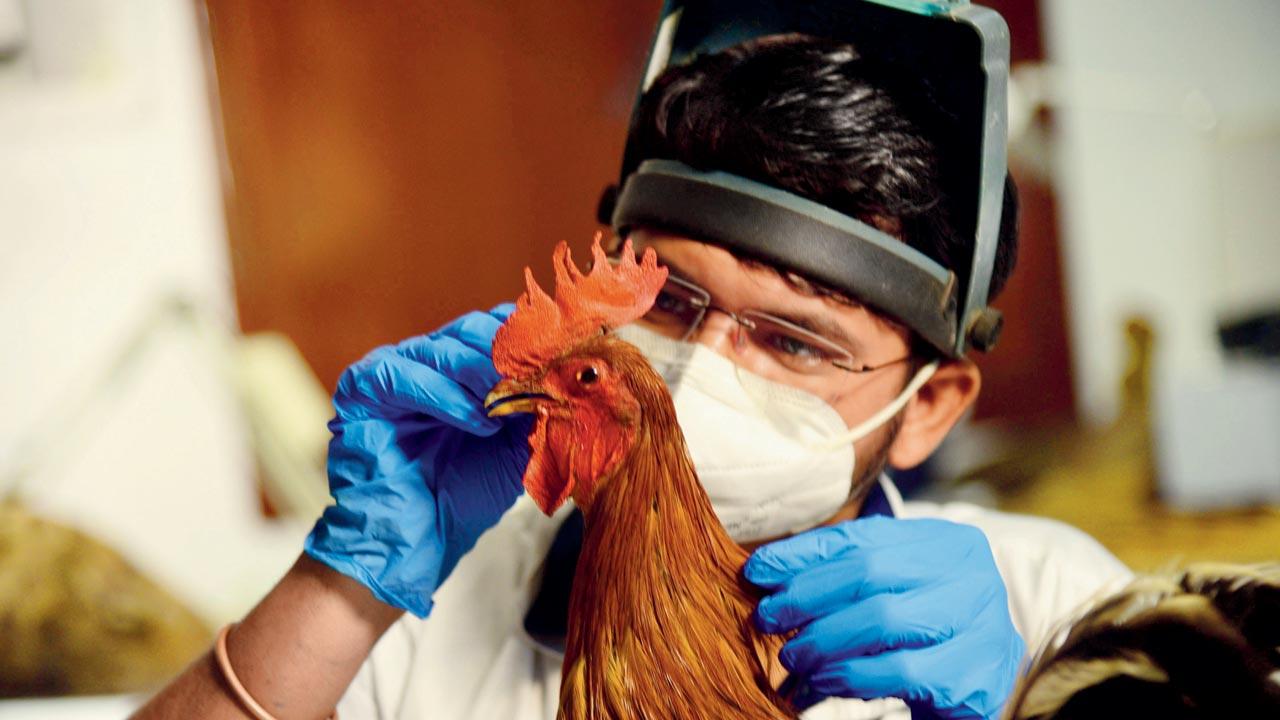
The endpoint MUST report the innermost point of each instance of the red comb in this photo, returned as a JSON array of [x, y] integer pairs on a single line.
[[541, 329]]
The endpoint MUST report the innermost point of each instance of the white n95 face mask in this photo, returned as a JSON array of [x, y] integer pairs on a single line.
[[773, 459]]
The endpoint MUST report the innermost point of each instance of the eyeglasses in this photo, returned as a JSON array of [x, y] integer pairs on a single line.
[[681, 307]]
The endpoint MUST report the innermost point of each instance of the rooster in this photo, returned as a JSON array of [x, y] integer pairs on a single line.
[[659, 616]]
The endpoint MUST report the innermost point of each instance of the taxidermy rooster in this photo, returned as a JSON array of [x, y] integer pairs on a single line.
[[659, 616]]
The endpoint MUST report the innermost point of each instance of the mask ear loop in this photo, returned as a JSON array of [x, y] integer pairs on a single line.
[[865, 427]]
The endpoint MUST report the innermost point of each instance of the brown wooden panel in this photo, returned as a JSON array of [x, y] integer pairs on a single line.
[[397, 163]]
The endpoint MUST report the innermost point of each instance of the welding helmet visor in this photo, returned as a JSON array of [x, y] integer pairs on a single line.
[[956, 52]]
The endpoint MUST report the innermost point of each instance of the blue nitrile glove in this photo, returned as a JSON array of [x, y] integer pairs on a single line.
[[913, 609], [417, 469]]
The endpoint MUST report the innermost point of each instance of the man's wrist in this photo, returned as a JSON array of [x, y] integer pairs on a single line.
[[363, 605], [297, 652]]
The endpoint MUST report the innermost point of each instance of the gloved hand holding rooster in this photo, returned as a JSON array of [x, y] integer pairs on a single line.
[[416, 468], [913, 609]]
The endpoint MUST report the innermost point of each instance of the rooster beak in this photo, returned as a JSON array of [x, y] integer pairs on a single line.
[[511, 396]]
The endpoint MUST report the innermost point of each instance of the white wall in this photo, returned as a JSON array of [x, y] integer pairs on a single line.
[[1168, 167], [109, 204]]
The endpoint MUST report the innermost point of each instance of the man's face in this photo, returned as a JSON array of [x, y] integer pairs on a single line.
[[736, 286]]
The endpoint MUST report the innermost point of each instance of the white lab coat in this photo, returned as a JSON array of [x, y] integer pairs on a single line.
[[473, 660]]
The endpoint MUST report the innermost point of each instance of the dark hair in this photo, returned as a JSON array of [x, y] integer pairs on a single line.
[[812, 117]]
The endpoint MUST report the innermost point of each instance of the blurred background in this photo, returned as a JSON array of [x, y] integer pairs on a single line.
[[208, 210]]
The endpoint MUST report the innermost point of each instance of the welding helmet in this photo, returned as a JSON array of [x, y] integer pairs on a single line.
[[958, 51]]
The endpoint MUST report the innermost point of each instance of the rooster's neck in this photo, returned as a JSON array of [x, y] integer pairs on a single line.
[[655, 518], [659, 614]]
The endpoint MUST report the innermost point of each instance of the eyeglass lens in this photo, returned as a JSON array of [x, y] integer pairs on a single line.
[[680, 307]]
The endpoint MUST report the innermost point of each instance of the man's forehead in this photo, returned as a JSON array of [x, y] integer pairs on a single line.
[[701, 261]]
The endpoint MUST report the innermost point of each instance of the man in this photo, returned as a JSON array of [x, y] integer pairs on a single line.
[[897, 605]]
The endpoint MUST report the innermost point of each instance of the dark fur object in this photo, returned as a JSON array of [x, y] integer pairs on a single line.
[[1201, 644]]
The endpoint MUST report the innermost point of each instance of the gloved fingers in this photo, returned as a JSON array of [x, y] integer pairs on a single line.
[[817, 592], [774, 564], [386, 380], [911, 674], [859, 574], [879, 624], [946, 680], [460, 362], [502, 311], [476, 329]]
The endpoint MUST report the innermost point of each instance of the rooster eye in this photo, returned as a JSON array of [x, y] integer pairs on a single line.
[[588, 375]]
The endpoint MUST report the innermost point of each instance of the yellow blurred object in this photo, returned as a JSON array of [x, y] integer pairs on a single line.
[[1103, 482], [288, 411], [76, 618]]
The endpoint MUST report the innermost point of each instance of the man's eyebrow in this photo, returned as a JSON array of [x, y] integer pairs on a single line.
[[674, 269], [817, 323]]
